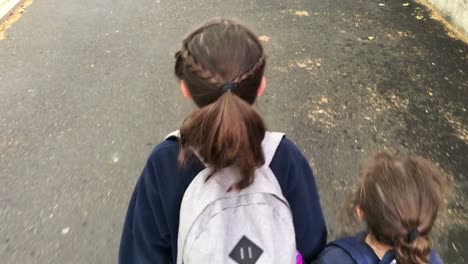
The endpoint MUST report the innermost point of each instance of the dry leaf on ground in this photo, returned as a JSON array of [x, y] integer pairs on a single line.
[[301, 13], [264, 38]]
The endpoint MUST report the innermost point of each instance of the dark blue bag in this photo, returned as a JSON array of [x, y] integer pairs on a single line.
[[361, 253]]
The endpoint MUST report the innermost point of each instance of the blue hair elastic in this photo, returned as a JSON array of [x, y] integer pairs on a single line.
[[413, 235], [227, 87]]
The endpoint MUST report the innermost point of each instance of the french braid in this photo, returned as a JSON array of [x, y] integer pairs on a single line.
[[260, 62], [214, 78], [197, 69]]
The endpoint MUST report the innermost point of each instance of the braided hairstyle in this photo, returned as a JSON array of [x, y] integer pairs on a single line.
[[222, 64]]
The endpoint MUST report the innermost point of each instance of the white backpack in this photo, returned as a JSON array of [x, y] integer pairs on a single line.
[[252, 226]]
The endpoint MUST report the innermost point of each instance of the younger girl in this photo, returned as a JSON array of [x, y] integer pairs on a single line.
[[220, 67], [398, 197]]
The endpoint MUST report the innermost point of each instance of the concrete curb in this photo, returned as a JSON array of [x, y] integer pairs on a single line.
[[455, 11], [456, 25], [7, 7]]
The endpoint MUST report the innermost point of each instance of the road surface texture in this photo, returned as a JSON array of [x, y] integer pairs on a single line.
[[87, 90]]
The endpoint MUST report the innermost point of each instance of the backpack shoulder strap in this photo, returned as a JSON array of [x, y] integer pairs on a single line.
[[353, 247], [175, 134], [270, 144], [265, 180], [389, 257]]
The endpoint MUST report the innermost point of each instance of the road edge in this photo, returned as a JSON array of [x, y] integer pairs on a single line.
[[4, 16], [455, 31]]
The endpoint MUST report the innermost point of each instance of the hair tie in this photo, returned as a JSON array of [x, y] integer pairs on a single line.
[[227, 87], [413, 235]]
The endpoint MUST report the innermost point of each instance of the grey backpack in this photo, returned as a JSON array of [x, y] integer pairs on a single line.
[[252, 226]]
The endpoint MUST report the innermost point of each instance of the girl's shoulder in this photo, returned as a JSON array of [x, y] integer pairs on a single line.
[[333, 254], [353, 249], [287, 151], [169, 149], [350, 249], [164, 158], [288, 146]]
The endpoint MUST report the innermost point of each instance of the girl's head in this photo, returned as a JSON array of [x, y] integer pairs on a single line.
[[398, 197], [220, 66]]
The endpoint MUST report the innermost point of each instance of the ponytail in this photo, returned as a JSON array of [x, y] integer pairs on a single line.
[[413, 252], [224, 133]]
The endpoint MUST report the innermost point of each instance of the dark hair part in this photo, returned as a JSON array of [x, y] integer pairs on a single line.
[[226, 130], [400, 197]]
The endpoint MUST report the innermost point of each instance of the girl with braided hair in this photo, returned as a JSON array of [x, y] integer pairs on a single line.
[[220, 68], [398, 197]]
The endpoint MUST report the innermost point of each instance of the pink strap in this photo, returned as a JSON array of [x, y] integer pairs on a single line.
[[299, 258]]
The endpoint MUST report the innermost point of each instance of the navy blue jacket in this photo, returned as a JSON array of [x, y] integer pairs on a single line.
[[152, 221], [362, 253]]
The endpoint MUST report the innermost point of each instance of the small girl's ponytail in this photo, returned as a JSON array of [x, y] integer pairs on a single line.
[[400, 197], [413, 249]]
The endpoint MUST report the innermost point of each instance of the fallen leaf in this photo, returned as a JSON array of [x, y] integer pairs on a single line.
[[370, 37], [419, 17], [405, 4], [301, 13], [324, 100], [304, 63], [301, 65], [264, 38]]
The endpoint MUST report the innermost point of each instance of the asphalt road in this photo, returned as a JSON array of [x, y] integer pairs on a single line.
[[87, 90]]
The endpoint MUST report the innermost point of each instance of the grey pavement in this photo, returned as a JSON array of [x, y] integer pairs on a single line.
[[87, 90]]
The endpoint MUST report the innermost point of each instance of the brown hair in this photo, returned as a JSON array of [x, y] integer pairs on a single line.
[[400, 197], [222, 64]]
